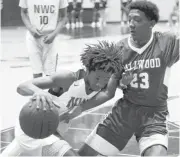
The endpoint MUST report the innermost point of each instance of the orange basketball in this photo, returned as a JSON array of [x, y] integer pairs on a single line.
[[38, 123]]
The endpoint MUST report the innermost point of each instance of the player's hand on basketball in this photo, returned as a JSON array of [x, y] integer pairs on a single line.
[[35, 32], [43, 100], [49, 38]]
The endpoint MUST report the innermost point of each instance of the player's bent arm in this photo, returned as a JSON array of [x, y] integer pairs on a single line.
[[61, 21], [100, 98], [103, 96], [62, 79], [25, 18]]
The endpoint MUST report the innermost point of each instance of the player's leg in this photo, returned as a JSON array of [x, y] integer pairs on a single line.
[[81, 17], [50, 58], [112, 135], [123, 13], [23, 146], [35, 55], [152, 134], [98, 16], [69, 11], [69, 20], [13, 149], [93, 24], [77, 17], [58, 148]]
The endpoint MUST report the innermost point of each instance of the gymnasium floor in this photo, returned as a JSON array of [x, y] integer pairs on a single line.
[[15, 68]]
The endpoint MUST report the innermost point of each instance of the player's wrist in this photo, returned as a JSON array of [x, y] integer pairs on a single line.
[[122, 86]]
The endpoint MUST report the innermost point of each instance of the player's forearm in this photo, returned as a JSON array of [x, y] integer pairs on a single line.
[[104, 95], [25, 19], [61, 23], [97, 100], [27, 89], [94, 102]]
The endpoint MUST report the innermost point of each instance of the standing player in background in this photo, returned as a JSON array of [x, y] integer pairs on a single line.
[[70, 12], [96, 14], [78, 16], [103, 64], [143, 109], [103, 12], [44, 20], [124, 11], [174, 16]]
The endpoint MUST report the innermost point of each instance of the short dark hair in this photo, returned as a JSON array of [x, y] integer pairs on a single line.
[[150, 9], [102, 56]]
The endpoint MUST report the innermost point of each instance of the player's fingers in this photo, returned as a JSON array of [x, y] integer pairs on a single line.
[[45, 39], [33, 97], [31, 100], [50, 103], [38, 102], [43, 103]]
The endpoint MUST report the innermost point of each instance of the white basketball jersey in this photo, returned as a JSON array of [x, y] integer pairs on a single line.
[[43, 14], [75, 96]]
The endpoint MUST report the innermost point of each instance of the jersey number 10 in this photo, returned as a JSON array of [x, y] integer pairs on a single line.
[[44, 20], [140, 80]]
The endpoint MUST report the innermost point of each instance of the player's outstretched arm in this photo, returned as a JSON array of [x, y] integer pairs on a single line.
[[62, 79]]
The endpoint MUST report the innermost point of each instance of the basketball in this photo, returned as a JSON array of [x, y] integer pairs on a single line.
[[37, 123]]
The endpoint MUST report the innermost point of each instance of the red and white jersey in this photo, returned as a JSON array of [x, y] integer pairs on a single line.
[[151, 64], [43, 14]]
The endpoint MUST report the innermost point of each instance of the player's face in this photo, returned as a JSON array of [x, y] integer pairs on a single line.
[[98, 79], [140, 26]]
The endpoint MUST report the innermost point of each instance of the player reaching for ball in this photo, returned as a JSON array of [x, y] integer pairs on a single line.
[[103, 62]]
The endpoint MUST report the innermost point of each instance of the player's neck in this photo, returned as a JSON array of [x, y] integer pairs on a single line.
[[87, 86], [141, 42]]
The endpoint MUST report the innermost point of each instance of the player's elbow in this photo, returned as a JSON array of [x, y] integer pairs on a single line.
[[21, 89]]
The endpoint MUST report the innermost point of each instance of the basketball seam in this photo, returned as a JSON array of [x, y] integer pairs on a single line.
[[41, 127]]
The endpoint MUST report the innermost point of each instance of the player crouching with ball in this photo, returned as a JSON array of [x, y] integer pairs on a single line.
[[103, 62]]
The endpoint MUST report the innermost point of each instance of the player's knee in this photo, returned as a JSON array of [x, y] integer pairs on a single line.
[[86, 150], [155, 150]]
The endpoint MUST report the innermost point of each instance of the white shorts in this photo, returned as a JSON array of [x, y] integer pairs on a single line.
[[43, 57], [24, 145]]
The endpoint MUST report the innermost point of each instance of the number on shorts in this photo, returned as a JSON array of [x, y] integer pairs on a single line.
[[144, 84]]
